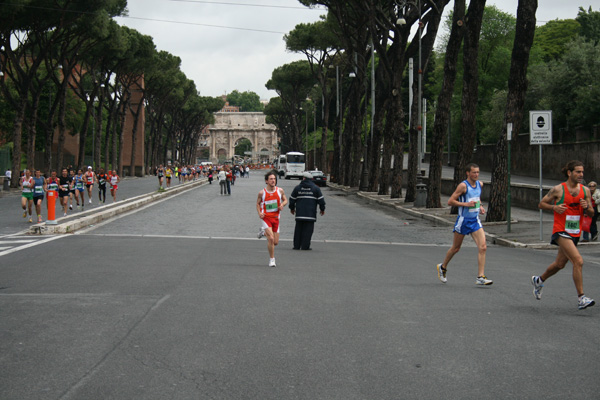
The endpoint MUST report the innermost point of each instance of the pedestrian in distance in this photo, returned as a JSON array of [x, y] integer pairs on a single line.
[[27, 185], [101, 178], [592, 234], [72, 190], [303, 204], [65, 183], [113, 180], [271, 200], [229, 179], [222, 177], [467, 197], [38, 193], [160, 173], [168, 175], [78, 188], [90, 178], [569, 201]]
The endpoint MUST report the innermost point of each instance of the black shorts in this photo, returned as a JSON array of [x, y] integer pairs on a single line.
[[62, 193], [88, 185], [38, 198], [565, 235]]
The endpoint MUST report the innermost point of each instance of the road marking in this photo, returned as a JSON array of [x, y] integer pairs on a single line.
[[255, 239], [29, 243]]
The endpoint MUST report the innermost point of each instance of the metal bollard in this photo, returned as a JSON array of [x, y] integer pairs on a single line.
[[421, 197]]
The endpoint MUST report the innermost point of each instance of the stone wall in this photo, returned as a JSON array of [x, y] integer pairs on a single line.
[[525, 158]]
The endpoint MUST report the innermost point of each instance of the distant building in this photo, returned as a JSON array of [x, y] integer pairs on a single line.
[[232, 126]]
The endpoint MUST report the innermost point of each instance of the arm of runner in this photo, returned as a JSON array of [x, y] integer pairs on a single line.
[[586, 204], [548, 202], [284, 200], [261, 215], [460, 190]]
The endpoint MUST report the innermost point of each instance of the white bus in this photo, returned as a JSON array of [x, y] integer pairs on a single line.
[[291, 165]]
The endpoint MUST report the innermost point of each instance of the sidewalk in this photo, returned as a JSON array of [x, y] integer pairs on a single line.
[[524, 230]]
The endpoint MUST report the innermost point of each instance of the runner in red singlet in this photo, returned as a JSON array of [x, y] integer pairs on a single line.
[[569, 201], [271, 200]]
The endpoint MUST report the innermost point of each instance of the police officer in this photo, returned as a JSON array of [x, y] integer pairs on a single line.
[[303, 204]]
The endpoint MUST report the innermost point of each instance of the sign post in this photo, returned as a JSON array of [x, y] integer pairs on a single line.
[[540, 133]]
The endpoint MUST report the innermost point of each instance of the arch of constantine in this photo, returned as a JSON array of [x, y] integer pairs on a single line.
[[229, 128]]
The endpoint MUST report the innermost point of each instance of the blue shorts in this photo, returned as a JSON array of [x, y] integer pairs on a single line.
[[467, 226]]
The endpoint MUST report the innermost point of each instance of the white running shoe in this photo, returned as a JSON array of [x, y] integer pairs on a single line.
[[537, 287], [441, 273], [261, 233], [483, 280], [272, 262], [90, 201], [585, 302]]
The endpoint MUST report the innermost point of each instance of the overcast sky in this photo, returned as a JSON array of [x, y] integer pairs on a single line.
[[226, 45]]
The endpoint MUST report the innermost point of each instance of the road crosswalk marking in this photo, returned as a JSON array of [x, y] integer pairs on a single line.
[[11, 244]]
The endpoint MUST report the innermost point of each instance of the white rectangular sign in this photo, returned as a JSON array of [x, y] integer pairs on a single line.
[[540, 127]]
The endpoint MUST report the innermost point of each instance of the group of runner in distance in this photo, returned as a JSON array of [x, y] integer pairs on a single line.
[[69, 185]]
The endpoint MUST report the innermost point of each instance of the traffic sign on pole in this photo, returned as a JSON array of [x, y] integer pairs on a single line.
[[540, 127]]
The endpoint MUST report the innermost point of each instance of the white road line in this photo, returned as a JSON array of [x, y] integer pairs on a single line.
[[27, 246], [16, 241], [255, 239]]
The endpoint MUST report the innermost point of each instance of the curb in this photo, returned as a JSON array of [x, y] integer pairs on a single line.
[[108, 211]]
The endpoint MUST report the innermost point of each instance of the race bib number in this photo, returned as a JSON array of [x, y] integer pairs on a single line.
[[475, 208], [572, 224], [271, 206], [39, 189]]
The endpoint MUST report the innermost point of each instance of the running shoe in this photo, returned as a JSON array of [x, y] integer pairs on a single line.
[[39, 218], [30, 219], [261, 233], [64, 214], [70, 206], [441, 273], [483, 280], [25, 214], [585, 302], [272, 262], [90, 201], [537, 287]]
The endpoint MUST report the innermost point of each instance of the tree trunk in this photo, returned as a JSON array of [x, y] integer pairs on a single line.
[[470, 87], [110, 122], [118, 143], [134, 136], [32, 132], [443, 106], [17, 135], [83, 135], [98, 130], [397, 129], [62, 126], [517, 88]]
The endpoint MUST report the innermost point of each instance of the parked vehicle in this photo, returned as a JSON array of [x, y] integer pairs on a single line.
[[319, 178], [291, 165]]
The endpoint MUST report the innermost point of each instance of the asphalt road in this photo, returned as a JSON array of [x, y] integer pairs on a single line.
[[176, 301]]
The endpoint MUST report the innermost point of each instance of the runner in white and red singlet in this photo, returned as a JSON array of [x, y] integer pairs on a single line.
[[271, 200]]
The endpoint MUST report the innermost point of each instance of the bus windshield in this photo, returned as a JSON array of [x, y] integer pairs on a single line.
[[295, 158]]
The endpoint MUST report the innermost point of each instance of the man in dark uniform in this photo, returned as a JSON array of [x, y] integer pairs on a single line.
[[303, 204]]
